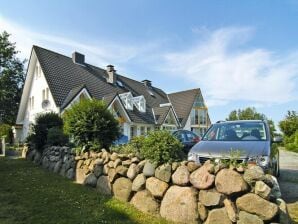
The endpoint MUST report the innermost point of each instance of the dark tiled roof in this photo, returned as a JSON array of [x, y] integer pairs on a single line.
[[65, 78], [182, 103], [161, 113], [109, 98], [72, 94]]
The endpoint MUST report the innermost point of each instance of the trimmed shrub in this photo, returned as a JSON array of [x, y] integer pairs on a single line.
[[161, 147], [5, 130], [90, 122], [56, 137], [40, 129]]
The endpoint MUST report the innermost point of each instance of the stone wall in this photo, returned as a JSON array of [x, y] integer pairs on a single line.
[[181, 192]]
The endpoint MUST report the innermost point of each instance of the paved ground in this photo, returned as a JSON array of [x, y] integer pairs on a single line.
[[288, 181], [289, 176]]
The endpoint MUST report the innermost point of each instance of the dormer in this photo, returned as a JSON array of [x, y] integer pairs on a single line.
[[127, 100], [140, 103]]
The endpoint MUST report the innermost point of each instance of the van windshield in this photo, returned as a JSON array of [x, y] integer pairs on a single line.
[[242, 131]]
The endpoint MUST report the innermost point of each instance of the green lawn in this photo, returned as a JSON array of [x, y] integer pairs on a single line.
[[29, 194]]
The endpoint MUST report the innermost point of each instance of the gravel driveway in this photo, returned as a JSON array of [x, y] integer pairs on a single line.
[[288, 181]]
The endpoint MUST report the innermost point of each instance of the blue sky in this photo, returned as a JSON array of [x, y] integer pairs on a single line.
[[240, 53]]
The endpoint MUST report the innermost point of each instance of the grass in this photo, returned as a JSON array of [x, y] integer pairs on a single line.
[[29, 194], [293, 210]]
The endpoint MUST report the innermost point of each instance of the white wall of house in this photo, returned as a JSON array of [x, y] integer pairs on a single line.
[[39, 91]]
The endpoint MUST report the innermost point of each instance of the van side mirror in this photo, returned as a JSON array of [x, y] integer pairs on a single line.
[[277, 139]]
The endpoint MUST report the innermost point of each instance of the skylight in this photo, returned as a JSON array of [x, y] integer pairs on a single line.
[[119, 83], [150, 92]]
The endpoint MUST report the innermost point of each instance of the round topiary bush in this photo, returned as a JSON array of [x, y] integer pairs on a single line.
[[89, 121], [43, 123], [56, 137], [161, 147]]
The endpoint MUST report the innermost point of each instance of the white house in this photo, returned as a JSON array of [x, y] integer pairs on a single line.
[[54, 82]]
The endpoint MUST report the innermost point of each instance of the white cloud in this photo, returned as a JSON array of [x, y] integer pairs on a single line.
[[107, 53], [227, 71], [219, 63]]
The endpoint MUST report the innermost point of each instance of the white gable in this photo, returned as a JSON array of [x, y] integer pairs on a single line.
[[36, 92]]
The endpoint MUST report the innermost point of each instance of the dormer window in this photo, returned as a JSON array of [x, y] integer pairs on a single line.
[[140, 103], [127, 100]]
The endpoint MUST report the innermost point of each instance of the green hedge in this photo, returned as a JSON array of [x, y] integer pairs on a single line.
[[91, 123]]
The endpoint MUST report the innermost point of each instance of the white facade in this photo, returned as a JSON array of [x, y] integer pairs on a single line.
[[37, 91]]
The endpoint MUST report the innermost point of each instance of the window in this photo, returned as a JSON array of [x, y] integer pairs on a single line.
[[119, 83], [43, 94], [37, 71], [170, 119], [127, 100], [140, 103], [150, 92], [242, 131], [47, 93], [199, 102], [142, 130], [203, 117], [132, 132], [31, 103], [198, 116]]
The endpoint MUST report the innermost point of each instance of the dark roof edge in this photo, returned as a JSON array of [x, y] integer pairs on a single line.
[[74, 96]]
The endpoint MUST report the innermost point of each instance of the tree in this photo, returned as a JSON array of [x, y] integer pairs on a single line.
[[250, 113], [12, 78], [91, 123], [290, 124]]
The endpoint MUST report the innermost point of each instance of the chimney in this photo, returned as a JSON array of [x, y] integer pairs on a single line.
[[111, 74], [147, 82], [78, 58]]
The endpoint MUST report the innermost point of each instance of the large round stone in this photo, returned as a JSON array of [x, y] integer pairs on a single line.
[[122, 189], [218, 216], [139, 182], [57, 166], [156, 187], [180, 205], [91, 180], [262, 189], [181, 176], [211, 198], [229, 182], [80, 176], [164, 172], [247, 218], [98, 170], [133, 171], [254, 204], [201, 178], [253, 174], [149, 169], [103, 185], [70, 174], [144, 201]]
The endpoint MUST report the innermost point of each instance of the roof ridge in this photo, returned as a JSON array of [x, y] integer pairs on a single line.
[[54, 52], [188, 90]]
